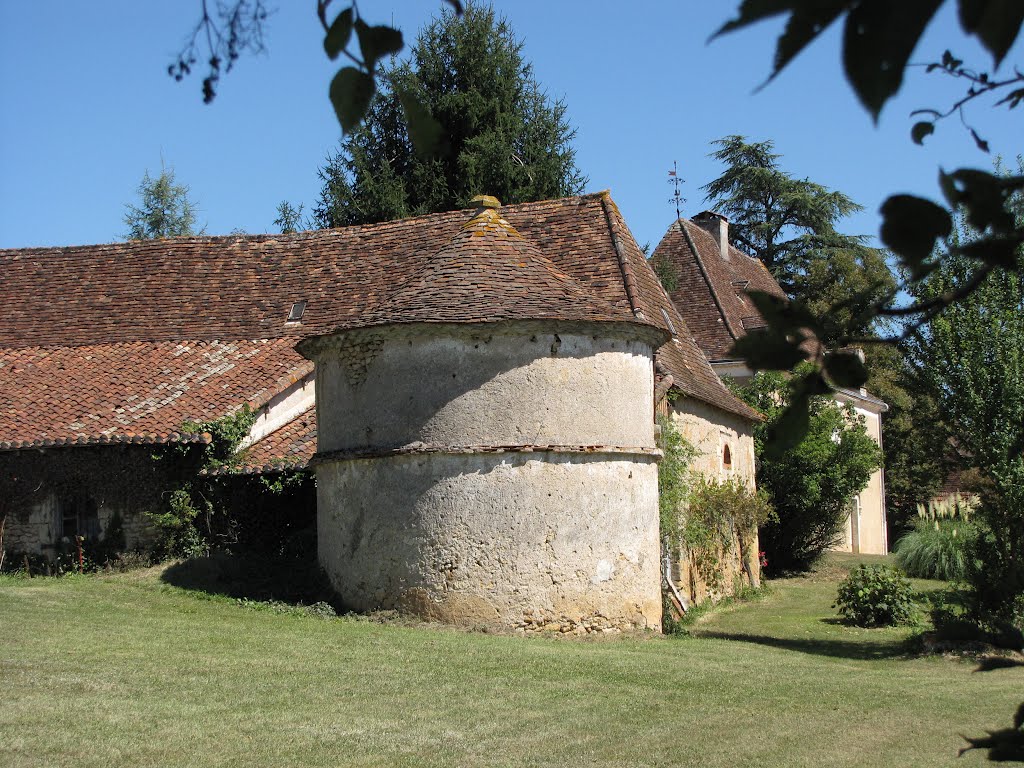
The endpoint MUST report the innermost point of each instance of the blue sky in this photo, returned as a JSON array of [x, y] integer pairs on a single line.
[[87, 107]]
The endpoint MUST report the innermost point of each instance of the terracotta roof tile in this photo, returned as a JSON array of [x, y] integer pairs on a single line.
[[135, 338], [680, 356], [711, 291], [289, 447], [489, 271], [119, 392]]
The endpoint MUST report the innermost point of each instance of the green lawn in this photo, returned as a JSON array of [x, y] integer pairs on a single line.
[[125, 670]]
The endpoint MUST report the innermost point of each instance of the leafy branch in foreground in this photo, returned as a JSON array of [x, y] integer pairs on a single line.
[[237, 27], [980, 84], [219, 39], [879, 37]]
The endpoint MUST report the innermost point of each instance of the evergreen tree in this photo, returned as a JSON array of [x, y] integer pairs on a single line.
[[500, 133], [790, 225], [164, 209], [289, 218]]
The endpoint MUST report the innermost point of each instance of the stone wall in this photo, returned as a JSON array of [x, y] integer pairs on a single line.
[[38, 483], [497, 474], [525, 540], [725, 451]]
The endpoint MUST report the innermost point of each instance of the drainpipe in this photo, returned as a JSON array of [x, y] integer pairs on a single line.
[[666, 573]]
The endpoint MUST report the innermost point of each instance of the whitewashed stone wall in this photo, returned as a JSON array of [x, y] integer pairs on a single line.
[[711, 432], [499, 474]]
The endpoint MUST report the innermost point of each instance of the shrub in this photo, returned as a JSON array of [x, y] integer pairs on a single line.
[[177, 535], [939, 546], [717, 513], [876, 596], [811, 484]]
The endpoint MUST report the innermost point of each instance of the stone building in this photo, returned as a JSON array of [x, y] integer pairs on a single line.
[[711, 282], [480, 416]]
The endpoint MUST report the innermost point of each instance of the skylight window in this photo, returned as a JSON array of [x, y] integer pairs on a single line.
[[298, 308]]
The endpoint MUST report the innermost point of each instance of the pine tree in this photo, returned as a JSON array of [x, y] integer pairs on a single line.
[[289, 218], [500, 133], [164, 209], [789, 224]]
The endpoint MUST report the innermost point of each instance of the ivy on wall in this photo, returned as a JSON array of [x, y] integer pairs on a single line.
[[701, 518]]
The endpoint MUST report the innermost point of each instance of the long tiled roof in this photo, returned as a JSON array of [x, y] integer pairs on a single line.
[[134, 391], [135, 338], [711, 291]]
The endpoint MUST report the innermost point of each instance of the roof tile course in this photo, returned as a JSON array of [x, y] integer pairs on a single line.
[[136, 338], [289, 447], [135, 389], [710, 291]]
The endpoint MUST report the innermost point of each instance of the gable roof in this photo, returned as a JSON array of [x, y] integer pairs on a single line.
[[85, 330], [711, 291]]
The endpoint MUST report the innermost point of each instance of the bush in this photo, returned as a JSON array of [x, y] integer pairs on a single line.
[[718, 513], [876, 596], [939, 546], [995, 570], [811, 483]]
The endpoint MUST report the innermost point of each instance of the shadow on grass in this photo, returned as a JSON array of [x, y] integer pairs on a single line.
[[254, 577], [866, 650]]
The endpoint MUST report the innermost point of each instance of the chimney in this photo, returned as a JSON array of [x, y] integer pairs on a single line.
[[718, 226]]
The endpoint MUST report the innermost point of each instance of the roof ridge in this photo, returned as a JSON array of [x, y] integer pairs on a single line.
[[628, 277], [704, 273]]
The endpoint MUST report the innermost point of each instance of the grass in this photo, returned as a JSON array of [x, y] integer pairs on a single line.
[[129, 670]]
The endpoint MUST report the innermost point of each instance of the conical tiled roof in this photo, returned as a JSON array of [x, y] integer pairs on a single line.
[[489, 272]]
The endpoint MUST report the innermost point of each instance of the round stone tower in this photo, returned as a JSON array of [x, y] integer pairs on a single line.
[[486, 450]]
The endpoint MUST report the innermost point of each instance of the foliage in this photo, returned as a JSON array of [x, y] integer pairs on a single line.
[[226, 434], [876, 596], [706, 517], [500, 133], [289, 218], [666, 273], [971, 358], [272, 516], [879, 37], [177, 532], [197, 516], [940, 544], [236, 28], [164, 209], [673, 477], [718, 514], [790, 224], [810, 484]]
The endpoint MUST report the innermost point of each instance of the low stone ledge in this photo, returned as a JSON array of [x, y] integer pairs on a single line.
[[418, 449]]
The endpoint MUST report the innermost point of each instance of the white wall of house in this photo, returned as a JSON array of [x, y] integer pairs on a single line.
[[865, 531]]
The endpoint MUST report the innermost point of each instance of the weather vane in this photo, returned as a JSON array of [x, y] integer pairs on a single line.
[[676, 182]]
